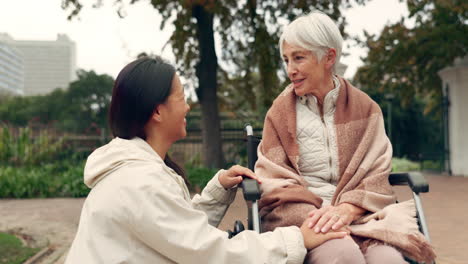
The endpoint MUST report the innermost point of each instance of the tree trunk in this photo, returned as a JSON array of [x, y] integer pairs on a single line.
[[265, 58], [206, 71]]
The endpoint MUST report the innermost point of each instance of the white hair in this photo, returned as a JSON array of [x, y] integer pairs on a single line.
[[315, 32]]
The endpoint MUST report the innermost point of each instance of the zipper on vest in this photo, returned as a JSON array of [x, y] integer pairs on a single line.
[[327, 139]]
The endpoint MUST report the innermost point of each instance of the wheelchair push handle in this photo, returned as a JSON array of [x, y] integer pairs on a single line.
[[250, 189], [249, 129]]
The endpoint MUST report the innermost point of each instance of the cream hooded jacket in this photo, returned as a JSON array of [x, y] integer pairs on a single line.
[[140, 211]]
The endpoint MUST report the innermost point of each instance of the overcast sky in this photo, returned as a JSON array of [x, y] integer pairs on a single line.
[[105, 43]]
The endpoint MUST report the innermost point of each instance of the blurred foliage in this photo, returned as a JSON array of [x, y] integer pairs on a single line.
[[229, 120], [26, 149], [433, 165], [88, 98], [80, 107], [405, 60], [404, 165], [199, 177], [65, 179], [58, 179], [38, 166], [413, 133], [249, 32], [13, 251], [41, 166]]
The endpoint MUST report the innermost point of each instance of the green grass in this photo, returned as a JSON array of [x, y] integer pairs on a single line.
[[12, 250]]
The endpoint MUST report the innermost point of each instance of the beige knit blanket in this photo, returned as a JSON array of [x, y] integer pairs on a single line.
[[364, 155]]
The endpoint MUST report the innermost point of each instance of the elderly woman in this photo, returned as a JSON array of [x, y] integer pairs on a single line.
[[325, 154]]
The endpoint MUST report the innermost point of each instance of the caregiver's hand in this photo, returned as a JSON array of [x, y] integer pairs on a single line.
[[313, 240], [233, 176], [334, 217]]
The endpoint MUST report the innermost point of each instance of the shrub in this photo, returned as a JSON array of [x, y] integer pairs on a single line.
[[404, 165], [25, 149], [59, 179], [433, 165], [38, 166], [199, 177]]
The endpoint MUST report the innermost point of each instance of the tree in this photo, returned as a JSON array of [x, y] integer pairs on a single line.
[[413, 132], [89, 98], [249, 34], [405, 60], [75, 109], [17, 110]]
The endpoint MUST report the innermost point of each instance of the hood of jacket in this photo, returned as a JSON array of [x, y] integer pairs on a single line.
[[114, 155]]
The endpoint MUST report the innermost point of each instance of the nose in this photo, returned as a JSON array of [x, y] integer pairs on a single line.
[[291, 70], [187, 108]]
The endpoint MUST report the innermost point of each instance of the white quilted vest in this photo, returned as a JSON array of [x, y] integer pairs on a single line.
[[318, 153]]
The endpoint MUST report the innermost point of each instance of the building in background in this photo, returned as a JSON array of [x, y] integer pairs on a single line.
[[47, 64], [34, 67], [11, 67]]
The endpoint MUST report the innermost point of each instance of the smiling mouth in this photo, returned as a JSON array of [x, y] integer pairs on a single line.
[[297, 83]]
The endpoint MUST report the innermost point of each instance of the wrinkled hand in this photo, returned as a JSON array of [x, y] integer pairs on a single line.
[[333, 217], [313, 239], [233, 176]]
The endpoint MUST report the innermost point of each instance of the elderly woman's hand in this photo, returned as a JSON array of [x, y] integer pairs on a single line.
[[334, 217], [233, 176]]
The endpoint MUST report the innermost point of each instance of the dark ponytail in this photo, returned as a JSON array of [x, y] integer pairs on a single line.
[[173, 165]]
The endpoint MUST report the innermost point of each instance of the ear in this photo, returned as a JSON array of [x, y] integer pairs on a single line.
[[157, 116], [330, 58]]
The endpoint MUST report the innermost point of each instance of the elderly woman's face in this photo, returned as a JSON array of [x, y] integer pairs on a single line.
[[304, 70]]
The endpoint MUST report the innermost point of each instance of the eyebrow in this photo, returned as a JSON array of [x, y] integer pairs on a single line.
[[296, 52]]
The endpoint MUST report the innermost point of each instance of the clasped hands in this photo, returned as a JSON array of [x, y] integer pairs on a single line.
[[333, 217], [328, 222]]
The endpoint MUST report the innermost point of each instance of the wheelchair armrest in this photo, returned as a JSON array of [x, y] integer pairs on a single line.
[[250, 189], [415, 180]]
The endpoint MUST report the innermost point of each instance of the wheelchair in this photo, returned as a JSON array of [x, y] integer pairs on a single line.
[[251, 191]]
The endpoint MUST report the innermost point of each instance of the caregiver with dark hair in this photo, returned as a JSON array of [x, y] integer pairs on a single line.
[[139, 209]]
